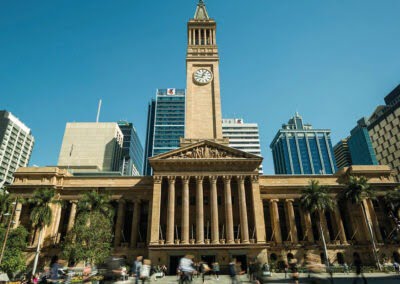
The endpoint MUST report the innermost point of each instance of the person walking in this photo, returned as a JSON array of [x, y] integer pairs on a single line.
[[137, 267], [233, 272], [186, 267], [216, 269], [358, 265]]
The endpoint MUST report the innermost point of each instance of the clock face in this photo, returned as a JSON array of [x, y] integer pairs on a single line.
[[202, 76]]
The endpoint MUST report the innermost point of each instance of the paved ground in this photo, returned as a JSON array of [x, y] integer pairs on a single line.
[[340, 278]]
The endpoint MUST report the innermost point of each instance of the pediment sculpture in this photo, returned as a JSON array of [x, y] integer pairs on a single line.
[[205, 152]]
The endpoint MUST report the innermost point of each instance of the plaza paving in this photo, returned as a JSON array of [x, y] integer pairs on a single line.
[[339, 278]]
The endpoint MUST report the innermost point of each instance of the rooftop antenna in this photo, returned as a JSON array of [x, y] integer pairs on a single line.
[[98, 111]]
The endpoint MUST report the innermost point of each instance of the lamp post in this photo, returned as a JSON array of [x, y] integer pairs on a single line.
[[8, 228]]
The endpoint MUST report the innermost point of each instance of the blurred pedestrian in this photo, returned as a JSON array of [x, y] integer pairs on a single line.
[[216, 269], [137, 267]]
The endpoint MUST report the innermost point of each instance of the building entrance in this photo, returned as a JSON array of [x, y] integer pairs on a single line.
[[209, 259], [242, 258], [173, 264]]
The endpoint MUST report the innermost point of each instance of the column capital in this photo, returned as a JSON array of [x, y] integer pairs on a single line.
[[227, 179], [274, 200], [137, 201], [289, 200], [199, 178], [213, 179], [121, 200], [185, 179], [241, 178], [171, 179], [254, 178], [157, 179]]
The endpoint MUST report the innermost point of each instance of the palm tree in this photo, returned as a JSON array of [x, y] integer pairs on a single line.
[[392, 201], [357, 190], [316, 200], [41, 215], [93, 201]]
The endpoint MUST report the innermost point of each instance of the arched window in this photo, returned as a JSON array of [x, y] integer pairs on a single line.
[[340, 258]]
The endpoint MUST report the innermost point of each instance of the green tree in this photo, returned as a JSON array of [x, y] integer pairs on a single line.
[[392, 201], [13, 260], [357, 190], [41, 215], [94, 201], [316, 200], [90, 239], [5, 202]]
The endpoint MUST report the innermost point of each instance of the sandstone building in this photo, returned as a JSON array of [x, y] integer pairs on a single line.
[[208, 199]]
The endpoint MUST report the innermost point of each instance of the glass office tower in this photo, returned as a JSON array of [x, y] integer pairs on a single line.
[[165, 123], [299, 149], [132, 150]]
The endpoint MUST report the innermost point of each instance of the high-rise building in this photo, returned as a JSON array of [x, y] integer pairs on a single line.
[[299, 149], [242, 136], [16, 144], [342, 154], [91, 147], [132, 150], [384, 130], [360, 145], [165, 123]]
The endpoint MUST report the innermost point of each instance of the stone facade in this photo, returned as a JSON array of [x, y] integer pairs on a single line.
[[185, 208]]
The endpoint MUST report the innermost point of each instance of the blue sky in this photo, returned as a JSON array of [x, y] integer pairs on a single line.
[[332, 61]]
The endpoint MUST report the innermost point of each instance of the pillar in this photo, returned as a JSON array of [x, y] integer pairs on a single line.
[[275, 220], [244, 226], [135, 224], [339, 224], [214, 211], [199, 211], [324, 228], [155, 211], [307, 226], [259, 222], [119, 225], [171, 211], [17, 215], [228, 210], [291, 220], [371, 215], [185, 211], [72, 216]]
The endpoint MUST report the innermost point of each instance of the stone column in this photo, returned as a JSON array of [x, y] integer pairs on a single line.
[[324, 228], [339, 225], [369, 207], [135, 223], [185, 210], [228, 210], [291, 220], [119, 225], [171, 211], [275, 220], [307, 227], [17, 215], [199, 211], [244, 226], [214, 211], [259, 221], [72, 216], [155, 211]]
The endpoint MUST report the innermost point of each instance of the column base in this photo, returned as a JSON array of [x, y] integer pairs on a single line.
[[245, 242], [215, 242], [230, 242], [200, 243]]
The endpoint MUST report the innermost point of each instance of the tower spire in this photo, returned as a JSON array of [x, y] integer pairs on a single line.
[[201, 11]]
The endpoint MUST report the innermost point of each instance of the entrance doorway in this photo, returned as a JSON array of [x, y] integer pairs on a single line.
[[173, 264], [209, 259], [242, 258]]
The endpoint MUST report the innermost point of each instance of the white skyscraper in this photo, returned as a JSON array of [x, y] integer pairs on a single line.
[[15, 148], [242, 136]]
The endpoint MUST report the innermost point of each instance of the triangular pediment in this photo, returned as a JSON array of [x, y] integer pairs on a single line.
[[205, 150]]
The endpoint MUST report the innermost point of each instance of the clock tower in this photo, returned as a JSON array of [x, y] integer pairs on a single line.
[[203, 103]]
